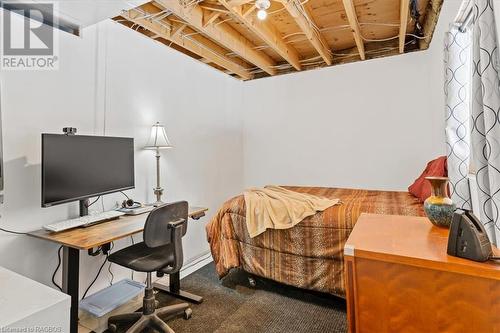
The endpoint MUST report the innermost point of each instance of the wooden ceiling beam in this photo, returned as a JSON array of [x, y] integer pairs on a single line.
[[203, 51], [223, 34], [214, 8], [266, 31], [403, 23], [248, 11], [201, 39], [210, 17], [178, 30], [356, 30], [431, 19], [315, 37], [236, 3]]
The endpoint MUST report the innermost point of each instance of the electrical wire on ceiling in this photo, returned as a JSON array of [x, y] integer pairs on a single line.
[[336, 28], [169, 27], [150, 16], [344, 27], [223, 21], [333, 53], [190, 34], [414, 17], [317, 31], [191, 3], [283, 8], [339, 56]]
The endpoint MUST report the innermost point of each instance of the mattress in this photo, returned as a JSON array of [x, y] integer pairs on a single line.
[[309, 255]]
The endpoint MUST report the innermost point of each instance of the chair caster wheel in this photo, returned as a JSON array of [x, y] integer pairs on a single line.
[[252, 282], [188, 313], [112, 328]]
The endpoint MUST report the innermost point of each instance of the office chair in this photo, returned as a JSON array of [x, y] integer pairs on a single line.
[[161, 250]]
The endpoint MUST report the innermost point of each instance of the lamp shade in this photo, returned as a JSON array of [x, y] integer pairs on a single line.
[[158, 138]]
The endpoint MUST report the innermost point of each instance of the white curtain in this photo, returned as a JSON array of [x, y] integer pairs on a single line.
[[457, 90], [485, 135], [482, 147]]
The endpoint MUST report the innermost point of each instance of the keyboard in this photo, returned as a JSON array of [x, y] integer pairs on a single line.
[[84, 221]]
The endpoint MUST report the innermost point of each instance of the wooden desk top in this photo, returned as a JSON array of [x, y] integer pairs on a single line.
[[413, 241], [99, 234]]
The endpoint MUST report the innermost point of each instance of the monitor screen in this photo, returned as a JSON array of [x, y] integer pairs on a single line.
[[76, 167]]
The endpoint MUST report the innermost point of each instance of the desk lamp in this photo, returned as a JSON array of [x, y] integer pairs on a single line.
[[158, 140]]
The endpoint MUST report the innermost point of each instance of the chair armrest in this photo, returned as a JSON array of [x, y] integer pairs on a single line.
[[176, 223], [176, 227]]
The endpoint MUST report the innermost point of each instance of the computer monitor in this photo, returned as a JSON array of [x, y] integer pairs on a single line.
[[77, 167]]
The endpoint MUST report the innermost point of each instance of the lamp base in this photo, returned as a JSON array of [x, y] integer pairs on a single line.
[[158, 191], [157, 204]]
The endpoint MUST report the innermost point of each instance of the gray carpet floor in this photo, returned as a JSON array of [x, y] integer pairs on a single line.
[[231, 305]]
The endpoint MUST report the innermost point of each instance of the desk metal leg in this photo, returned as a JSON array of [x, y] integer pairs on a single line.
[[70, 282], [174, 289]]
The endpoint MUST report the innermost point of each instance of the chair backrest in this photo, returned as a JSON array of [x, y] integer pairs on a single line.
[[157, 231]]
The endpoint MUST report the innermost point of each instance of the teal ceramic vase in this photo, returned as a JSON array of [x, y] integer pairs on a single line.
[[438, 207]]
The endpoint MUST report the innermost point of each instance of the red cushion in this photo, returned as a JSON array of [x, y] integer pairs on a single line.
[[421, 188]]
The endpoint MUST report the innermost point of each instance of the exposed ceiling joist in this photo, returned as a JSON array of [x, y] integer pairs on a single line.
[[236, 3], [176, 31], [248, 11], [403, 24], [266, 31], [305, 22], [431, 19], [297, 34], [165, 32], [214, 8], [356, 30], [222, 34], [210, 17]]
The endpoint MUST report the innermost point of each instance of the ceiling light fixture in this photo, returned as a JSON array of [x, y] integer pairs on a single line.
[[262, 6]]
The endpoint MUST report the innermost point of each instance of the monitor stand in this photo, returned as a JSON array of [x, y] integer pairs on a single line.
[[84, 207]]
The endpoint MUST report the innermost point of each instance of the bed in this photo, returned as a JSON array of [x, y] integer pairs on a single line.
[[309, 255]]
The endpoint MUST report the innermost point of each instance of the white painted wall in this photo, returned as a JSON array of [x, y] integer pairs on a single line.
[[114, 81], [370, 124]]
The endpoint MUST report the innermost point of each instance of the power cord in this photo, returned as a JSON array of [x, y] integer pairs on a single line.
[[13, 232], [109, 267], [57, 268], [133, 243], [96, 277], [95, 253], [93, 202], [112, 275]]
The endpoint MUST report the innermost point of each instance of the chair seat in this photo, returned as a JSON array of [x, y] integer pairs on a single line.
[[141, 258]]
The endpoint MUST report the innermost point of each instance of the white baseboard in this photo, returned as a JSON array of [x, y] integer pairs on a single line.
[[189, 268], [196, 263]]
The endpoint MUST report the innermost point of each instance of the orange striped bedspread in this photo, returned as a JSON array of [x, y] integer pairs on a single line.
[[309, 255]]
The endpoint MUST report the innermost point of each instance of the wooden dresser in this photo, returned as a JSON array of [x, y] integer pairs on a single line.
[[400, 279]]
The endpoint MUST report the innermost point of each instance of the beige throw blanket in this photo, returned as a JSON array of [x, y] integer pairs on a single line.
[[275, 207]]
